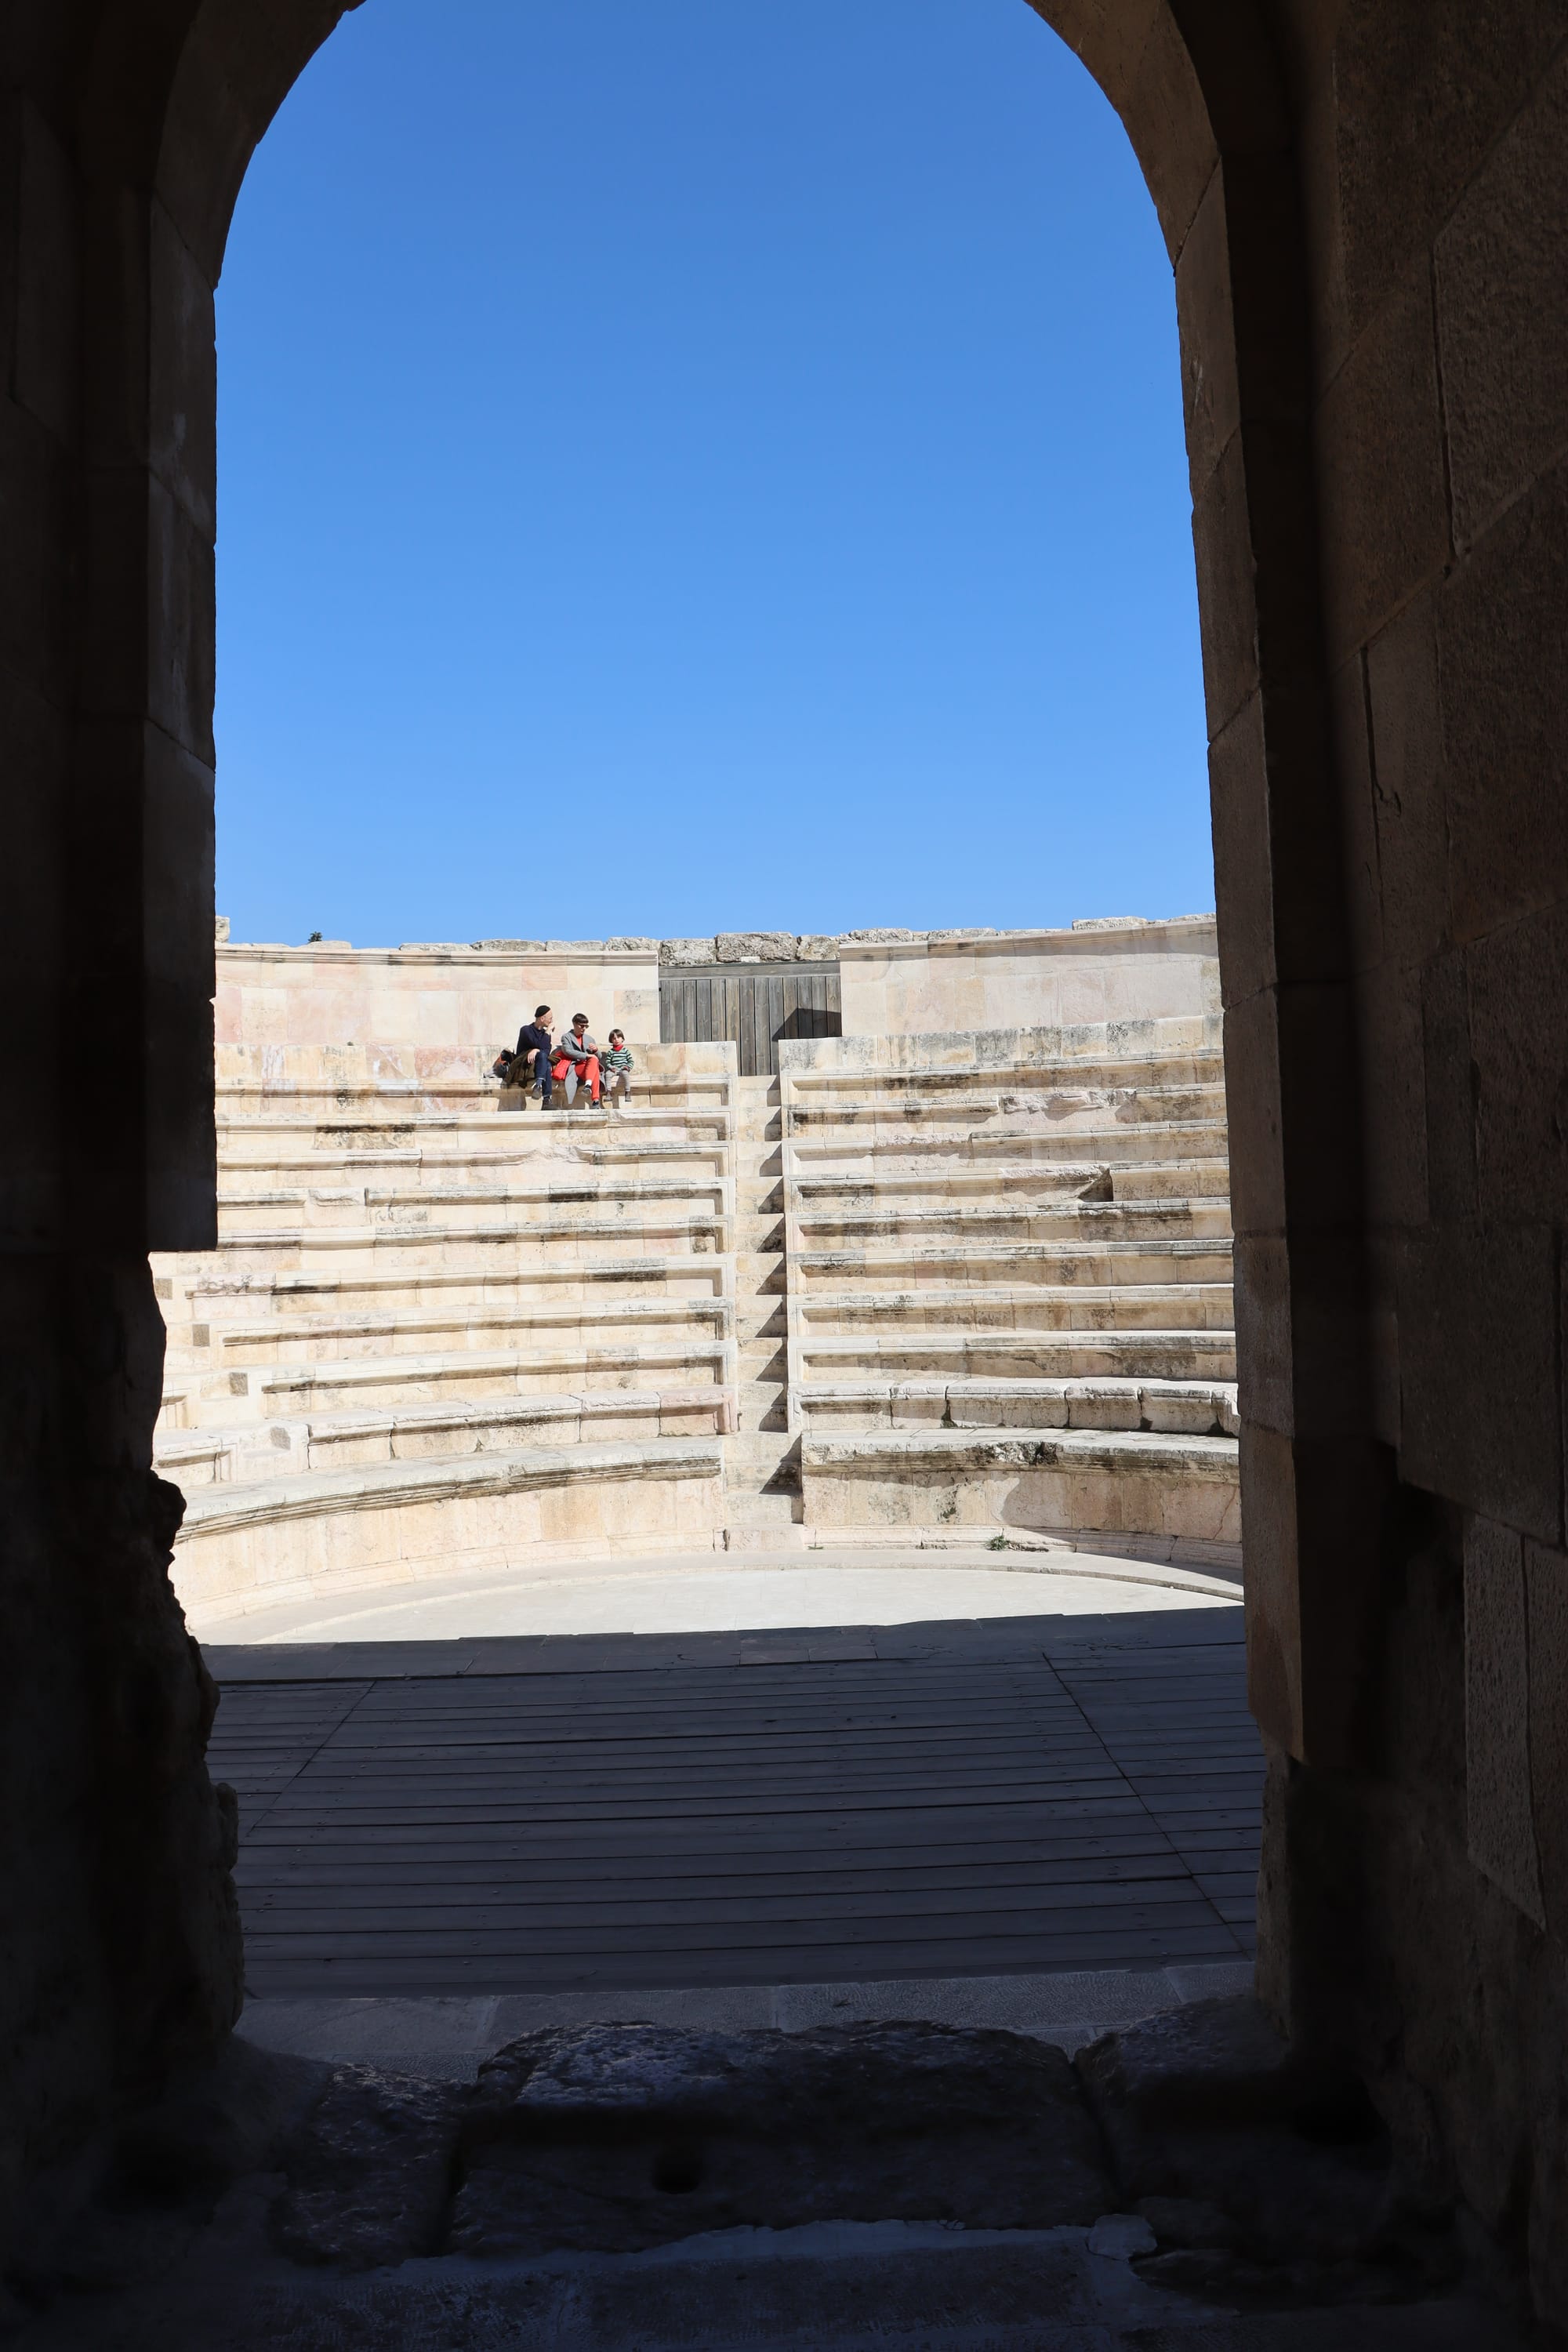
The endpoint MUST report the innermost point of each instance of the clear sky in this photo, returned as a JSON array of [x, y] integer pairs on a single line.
[[700, 465]]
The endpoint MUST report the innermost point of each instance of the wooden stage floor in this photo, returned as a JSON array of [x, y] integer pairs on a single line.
[[536, 1815]]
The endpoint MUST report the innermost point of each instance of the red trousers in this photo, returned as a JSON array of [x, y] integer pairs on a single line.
[[587, 1072]]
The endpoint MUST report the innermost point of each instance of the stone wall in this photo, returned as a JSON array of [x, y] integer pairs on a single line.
[[428, 1001], [1096, 971], [432, 1001]]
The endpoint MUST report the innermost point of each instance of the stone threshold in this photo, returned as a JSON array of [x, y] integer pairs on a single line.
[[450, 2035]]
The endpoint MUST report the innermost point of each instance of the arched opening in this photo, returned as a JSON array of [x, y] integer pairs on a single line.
[[1377, 522], [838, 424]]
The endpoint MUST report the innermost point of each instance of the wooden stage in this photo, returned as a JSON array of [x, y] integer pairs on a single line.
[[551, 1814]]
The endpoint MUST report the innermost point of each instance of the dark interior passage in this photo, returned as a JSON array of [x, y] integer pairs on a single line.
[[516, 1815]]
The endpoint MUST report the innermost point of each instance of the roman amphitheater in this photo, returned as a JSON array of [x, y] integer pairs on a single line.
[[912, 1240]]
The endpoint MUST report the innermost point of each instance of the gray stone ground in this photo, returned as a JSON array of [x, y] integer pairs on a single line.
[[1183, 2187]]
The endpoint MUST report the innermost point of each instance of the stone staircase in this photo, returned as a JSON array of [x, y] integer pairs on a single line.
[[442, 1323], [1009, 1301], [762, 1509]]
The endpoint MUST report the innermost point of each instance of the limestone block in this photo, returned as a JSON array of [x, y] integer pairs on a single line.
[[1479, 1365], [1159, 2090], [1183, 1409], [628, 2135], [1546, 1587], [917, 1404], [1103, 1404], [754, 947], [1030, 1404], [1499, 1831], [368, 2170], [1503, 661], [815, 948], [1500, 269], [687, 952]]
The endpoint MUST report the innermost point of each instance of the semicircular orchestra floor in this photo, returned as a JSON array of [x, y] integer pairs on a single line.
[[794, 1773]]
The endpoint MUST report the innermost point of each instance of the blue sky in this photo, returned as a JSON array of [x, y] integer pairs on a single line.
[[700, 466]]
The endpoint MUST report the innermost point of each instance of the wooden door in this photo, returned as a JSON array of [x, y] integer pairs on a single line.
[[755, 1006]]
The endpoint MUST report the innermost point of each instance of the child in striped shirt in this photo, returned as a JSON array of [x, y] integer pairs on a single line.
[[617, 1068]]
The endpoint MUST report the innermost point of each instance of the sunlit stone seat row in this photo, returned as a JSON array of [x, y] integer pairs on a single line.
[[443, 1325], [1012, 1231]]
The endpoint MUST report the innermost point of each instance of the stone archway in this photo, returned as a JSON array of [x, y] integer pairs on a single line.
[[1353, 198]]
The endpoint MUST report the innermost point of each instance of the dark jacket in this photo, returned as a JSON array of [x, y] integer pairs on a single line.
[[531, 1034]]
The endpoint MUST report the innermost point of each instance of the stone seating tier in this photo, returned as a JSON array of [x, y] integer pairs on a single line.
[[1187, 1408], [988, 1280], [1008, 1212], [531, 1319], [330, 1532], [992, 1354], [998, 1234], [983, 1175], [1063, 1482], [242, 1452], [226, 1397]]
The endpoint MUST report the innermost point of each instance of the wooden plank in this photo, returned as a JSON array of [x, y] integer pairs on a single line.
[[531, 1918], [632, 1811], [983, 1952], [400, 1890]]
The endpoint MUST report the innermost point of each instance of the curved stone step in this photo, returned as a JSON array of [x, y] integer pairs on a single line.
[[940, 1265], [1060, 1480], [1188, 1408], [282, 1445], [328, 1383], [304, 1337], [327, 1531], [1170, 1143], [1186, 1183], [1025, 1217], [1086, 1354], [1040, 1307]]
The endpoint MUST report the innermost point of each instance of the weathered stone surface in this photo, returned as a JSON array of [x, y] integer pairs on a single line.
[[1500, 1834], [814, 947], [621, 2136], [754, 947], [1204, 2105], [369, 2171], [687, 952]]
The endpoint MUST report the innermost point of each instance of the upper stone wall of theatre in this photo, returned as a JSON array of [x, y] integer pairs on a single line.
[[460, 999]]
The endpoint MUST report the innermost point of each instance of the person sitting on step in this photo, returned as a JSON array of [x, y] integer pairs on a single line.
[[618, 1066], [531, 1063], [577, 1059]]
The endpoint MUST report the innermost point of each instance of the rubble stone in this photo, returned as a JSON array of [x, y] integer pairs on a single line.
[[1205, 2104], [617, 2137], [755, 946], [369, 2170]]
